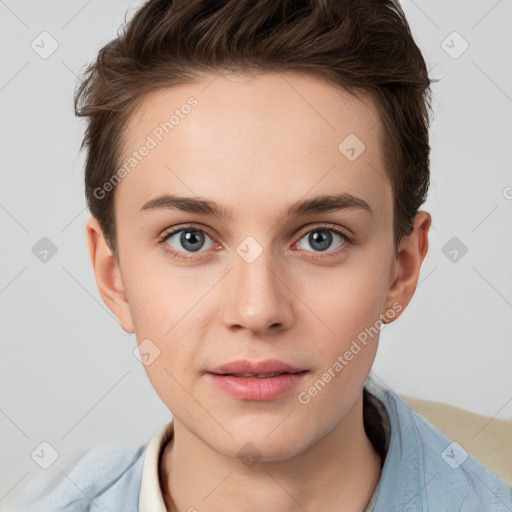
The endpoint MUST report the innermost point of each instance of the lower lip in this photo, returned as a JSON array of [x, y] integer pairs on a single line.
[[253, 388]]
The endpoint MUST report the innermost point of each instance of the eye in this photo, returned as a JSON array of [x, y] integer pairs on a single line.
[[187, 239], [322, 237], [182, 242]]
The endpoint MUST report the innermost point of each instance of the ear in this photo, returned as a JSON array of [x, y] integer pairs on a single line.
[[411, 252], [108, 275]]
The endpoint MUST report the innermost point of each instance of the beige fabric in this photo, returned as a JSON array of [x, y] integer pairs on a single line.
[[488, 440]]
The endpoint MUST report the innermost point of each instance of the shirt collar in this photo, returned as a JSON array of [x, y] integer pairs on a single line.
[[150, 495], [403, 478]]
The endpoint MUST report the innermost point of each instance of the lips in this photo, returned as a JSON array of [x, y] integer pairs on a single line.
[[259, 376], [260, 369], [256, 380]]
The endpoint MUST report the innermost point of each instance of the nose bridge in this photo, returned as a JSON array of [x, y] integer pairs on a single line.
[[256, 298]]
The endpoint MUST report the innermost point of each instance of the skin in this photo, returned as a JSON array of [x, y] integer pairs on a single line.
[[256, 144]]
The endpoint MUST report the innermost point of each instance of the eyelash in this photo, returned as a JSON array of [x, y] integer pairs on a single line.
[[348, 240]]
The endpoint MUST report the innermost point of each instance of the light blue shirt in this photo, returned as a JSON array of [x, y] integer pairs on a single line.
[[423, 471]]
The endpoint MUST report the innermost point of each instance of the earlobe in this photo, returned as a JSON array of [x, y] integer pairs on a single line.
[[412, 251], [108, 275]]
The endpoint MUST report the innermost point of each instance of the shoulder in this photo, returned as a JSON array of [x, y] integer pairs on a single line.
[[106, 477], [425, 470], [456, 475]]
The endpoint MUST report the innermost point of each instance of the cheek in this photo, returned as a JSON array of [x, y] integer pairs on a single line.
[[348, 305], [162, 315], [347, 300], [158, 297], [164, 305]]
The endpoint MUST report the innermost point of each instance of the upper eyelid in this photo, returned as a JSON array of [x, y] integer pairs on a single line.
[[174, 230]]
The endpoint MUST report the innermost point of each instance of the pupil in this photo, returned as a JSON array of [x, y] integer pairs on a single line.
[[324, 240], [191, 240]]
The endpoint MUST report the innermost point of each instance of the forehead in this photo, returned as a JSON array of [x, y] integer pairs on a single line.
[[240, 139]]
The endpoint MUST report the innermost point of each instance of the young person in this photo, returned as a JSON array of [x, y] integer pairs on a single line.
[[254, 172]]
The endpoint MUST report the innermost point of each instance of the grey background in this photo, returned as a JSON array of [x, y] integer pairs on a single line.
[[68, 373]]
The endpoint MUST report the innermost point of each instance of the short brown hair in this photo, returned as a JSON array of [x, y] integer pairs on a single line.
[[359, 45]]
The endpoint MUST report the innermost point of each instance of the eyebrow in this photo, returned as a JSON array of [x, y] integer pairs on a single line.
[[319, 204]]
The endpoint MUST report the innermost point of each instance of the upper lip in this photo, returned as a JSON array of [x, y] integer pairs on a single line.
[[255, 367]]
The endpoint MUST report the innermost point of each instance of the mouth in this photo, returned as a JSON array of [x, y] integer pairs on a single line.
[[262, 369], [256, 381], [258, 375]]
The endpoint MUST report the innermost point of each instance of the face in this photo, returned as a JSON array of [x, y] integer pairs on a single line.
[[260, 278]]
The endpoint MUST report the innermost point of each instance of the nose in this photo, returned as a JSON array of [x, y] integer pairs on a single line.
[[257, 294]]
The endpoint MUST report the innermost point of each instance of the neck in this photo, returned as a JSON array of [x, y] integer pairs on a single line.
[[338, 472]]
